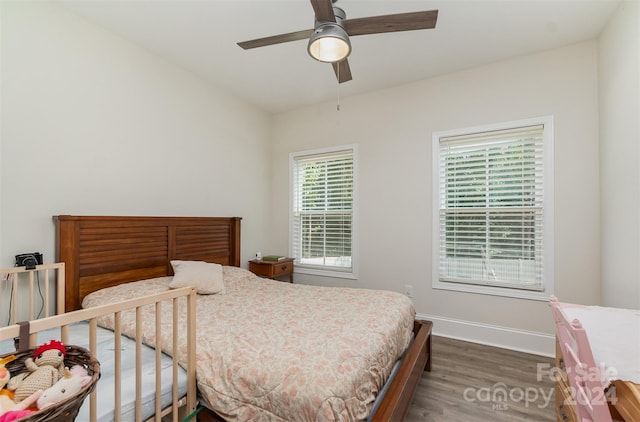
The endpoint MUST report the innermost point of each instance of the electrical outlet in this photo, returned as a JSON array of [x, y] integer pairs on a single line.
[[408, 290]]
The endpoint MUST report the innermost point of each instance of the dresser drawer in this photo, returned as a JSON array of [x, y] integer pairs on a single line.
[[282, 268], [272, 269]]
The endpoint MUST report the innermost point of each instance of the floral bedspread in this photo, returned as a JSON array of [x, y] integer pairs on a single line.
[[274, 351]]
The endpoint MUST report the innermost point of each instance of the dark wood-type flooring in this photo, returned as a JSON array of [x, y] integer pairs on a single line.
[[470, 382]]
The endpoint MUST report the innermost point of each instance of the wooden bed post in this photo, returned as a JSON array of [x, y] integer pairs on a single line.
[[234, 242], [67, 252]]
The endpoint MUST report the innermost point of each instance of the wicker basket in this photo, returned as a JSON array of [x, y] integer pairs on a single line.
[[67, 409]]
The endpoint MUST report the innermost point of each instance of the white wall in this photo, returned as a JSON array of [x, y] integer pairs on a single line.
[[619, 83], [393, 131], [94, 125]]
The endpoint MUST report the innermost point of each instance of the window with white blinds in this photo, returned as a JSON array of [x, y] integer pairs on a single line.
[[493, 222], [322, 217]]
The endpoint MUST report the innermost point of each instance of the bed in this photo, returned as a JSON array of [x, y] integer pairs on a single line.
[[110, 252], [137, 382]]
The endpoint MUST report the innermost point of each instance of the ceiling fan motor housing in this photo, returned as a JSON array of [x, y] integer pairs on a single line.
[[320, 26], [330, 42], [339, 14]]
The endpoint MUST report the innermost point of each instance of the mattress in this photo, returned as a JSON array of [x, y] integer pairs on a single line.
[[268, 350], [79, 335]]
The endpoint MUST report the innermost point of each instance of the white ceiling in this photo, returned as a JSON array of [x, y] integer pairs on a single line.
[[201, 35]]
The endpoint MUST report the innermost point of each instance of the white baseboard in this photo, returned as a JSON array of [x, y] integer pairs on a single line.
[[492, 335]]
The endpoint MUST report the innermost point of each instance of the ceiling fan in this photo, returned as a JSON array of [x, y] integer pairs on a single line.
[[329, 39]]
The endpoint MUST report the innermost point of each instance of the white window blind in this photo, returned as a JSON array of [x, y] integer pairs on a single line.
[[322, 213], [491, 199]]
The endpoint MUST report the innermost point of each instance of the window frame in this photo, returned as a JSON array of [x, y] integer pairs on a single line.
[[547, 287], [300, 268]]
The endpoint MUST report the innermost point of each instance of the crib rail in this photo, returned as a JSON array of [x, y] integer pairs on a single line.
[[18, 288], [181, 406]]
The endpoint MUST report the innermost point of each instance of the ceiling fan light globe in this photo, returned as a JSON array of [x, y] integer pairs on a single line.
[[329, 43]]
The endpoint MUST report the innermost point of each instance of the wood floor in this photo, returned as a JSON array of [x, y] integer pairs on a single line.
[[470, 382]]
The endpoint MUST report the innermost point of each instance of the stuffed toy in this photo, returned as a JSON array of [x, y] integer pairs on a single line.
[[4, 372], [13, 415], [44, 370], [6, 397], [72, 382], [9, 410]]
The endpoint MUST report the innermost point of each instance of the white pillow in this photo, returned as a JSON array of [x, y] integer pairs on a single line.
[[204, 276]]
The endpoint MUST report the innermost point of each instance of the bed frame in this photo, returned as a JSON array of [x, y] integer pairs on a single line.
[[103, 251]]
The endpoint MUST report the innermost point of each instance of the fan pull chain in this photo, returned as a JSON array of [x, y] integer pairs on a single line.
[[338, 73]]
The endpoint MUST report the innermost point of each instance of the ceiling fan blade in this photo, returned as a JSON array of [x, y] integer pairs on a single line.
[[391, 23], [276, 39], [323, 10], [342, 70]]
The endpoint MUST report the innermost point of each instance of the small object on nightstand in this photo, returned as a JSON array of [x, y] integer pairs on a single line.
[[272, 269], [274, 258]]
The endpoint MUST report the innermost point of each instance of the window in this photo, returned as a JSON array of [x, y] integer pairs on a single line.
[[493, 209], [322, 211]]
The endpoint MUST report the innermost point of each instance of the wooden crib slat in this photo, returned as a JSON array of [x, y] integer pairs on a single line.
[[60, 289], [191, 351], [138, 366], [174, 374], [14, 298], [158, 350], [46, 295], [32, 314], [117, 350], [93, 347]]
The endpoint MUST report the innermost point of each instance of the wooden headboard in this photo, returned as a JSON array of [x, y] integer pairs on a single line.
[[100, 252]]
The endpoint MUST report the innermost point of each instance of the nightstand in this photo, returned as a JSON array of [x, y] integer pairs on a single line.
[[272, 269]]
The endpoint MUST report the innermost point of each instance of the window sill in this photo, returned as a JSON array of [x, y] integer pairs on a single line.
[[298, 269], [493, 291]]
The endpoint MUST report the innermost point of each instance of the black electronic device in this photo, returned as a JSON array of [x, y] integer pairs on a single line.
[[29, 260]]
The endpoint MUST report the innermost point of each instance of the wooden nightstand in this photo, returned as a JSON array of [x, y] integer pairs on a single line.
[[272, 269]]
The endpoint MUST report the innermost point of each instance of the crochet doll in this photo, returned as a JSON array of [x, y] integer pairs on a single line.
[[45, 369]]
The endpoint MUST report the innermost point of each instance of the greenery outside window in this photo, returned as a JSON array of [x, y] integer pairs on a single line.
[[322, 223], [493, 209]]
